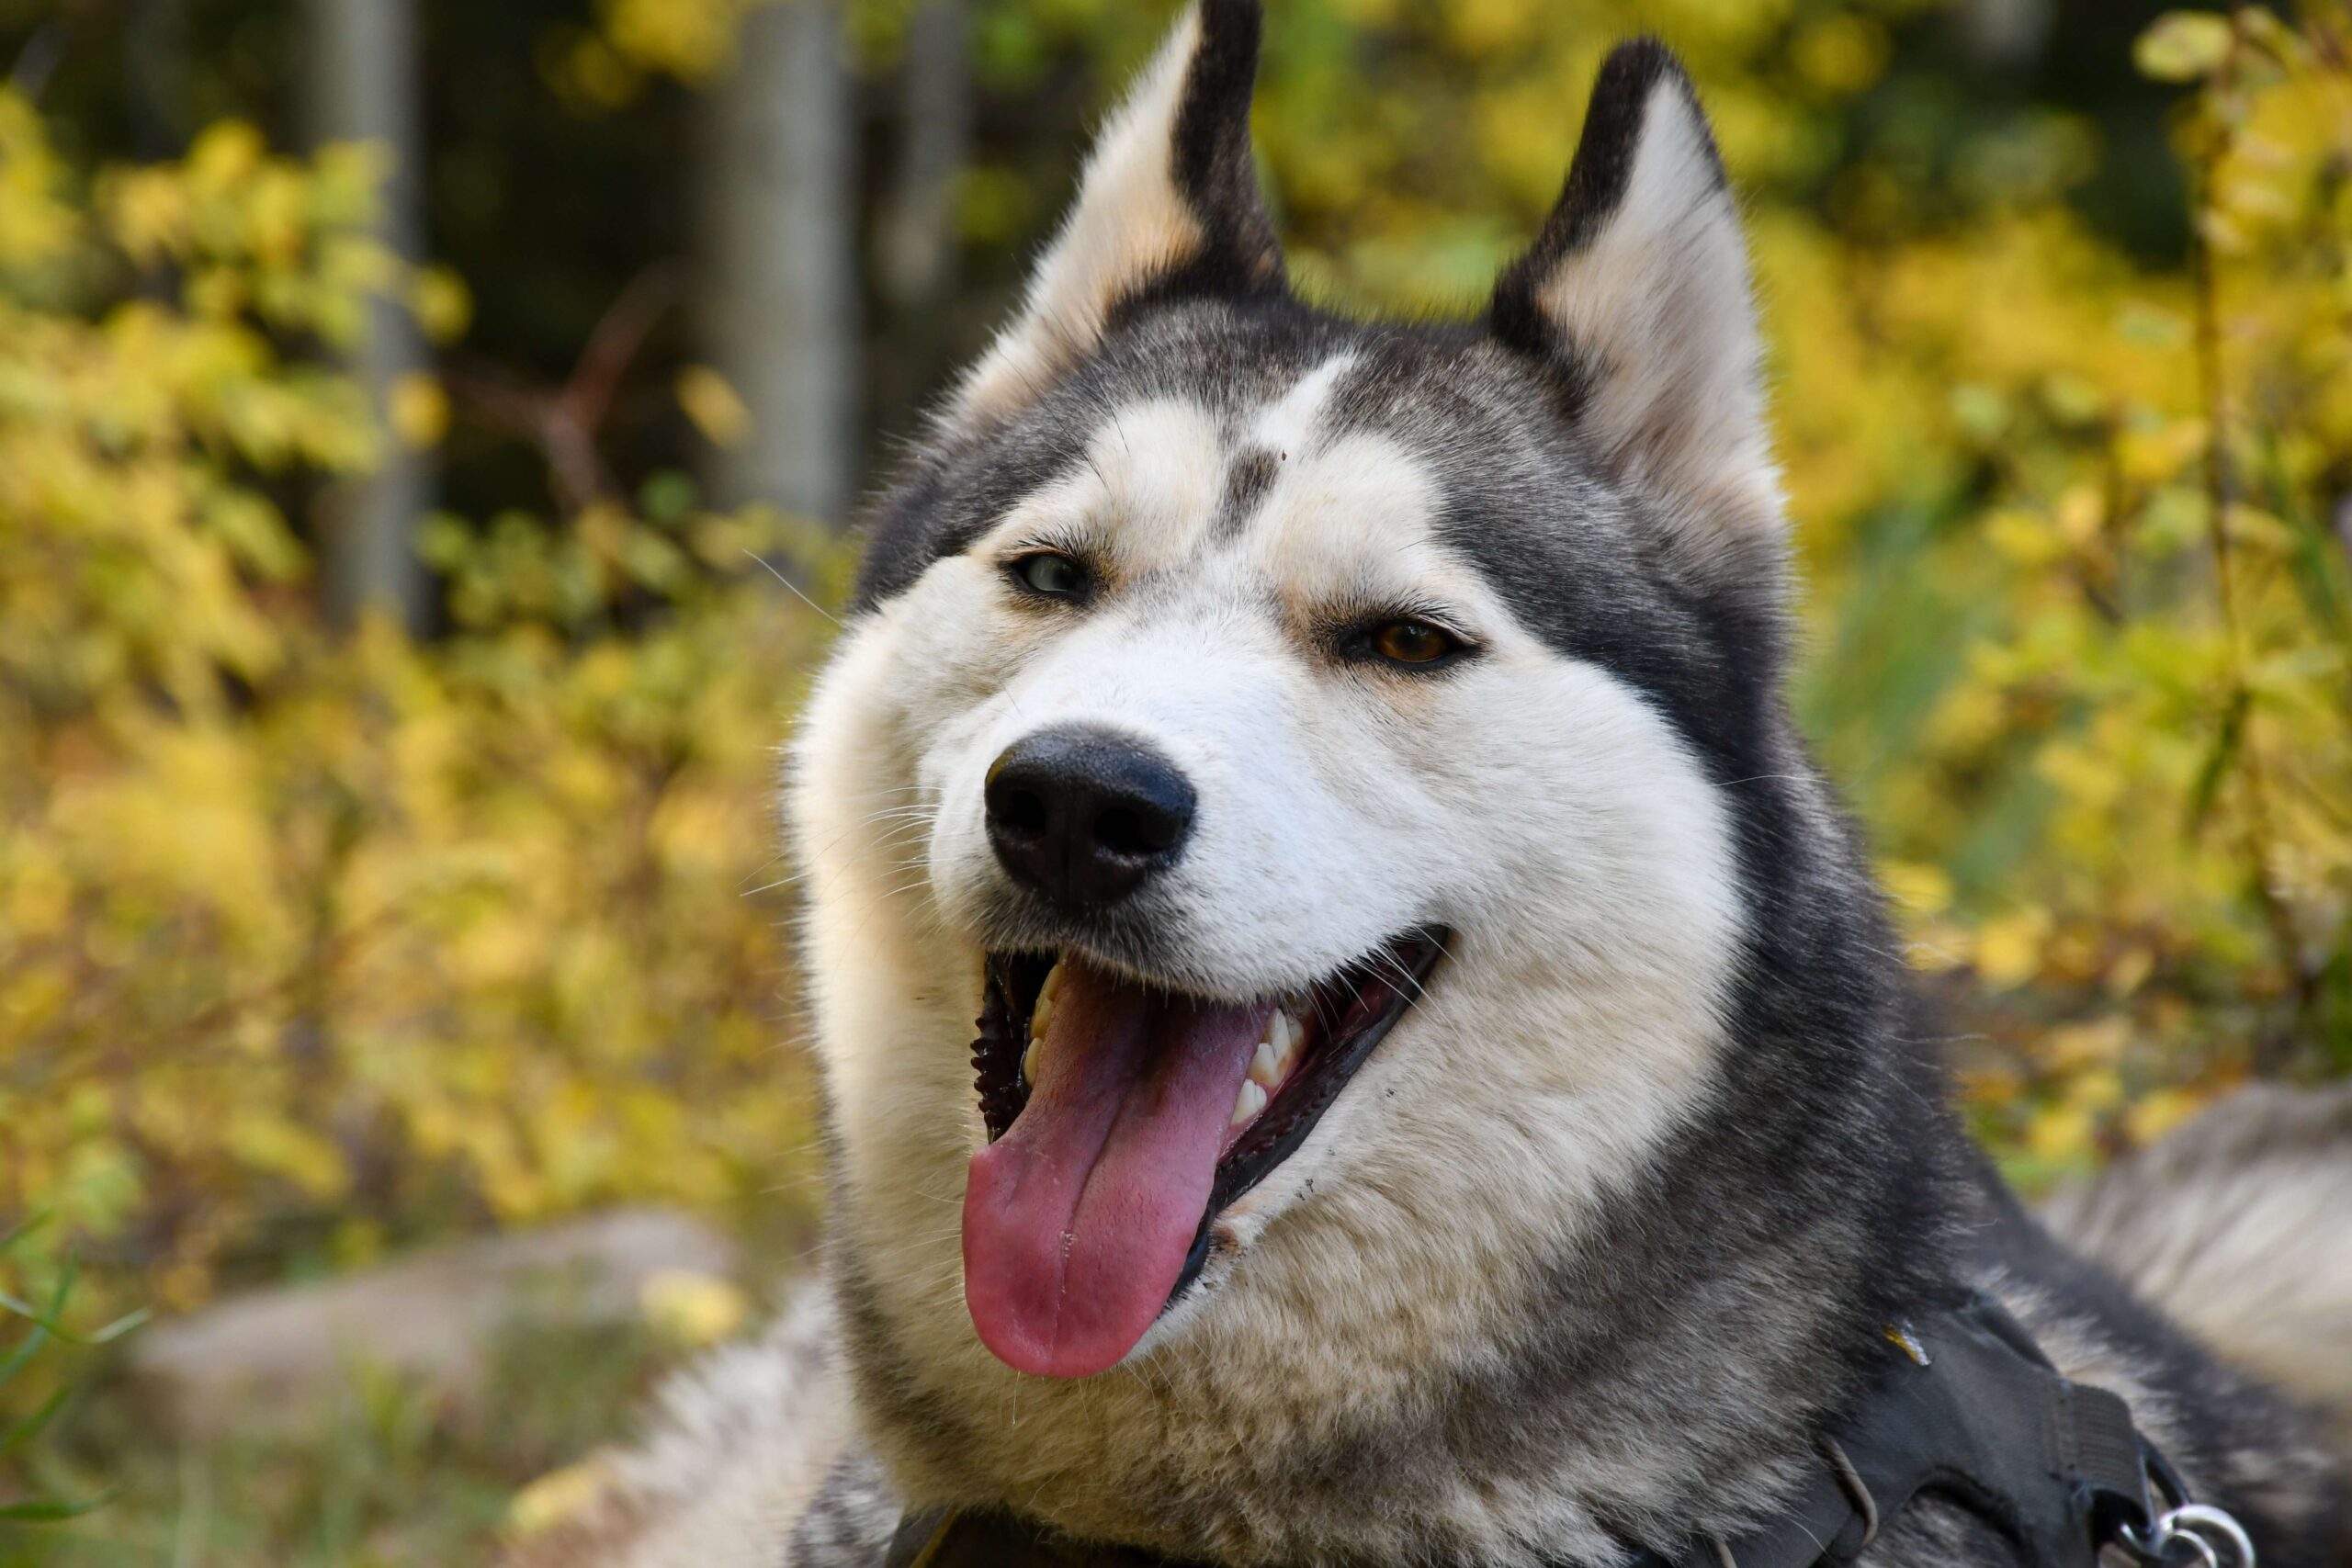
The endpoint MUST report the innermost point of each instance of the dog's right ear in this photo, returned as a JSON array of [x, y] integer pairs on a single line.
[[1169, 204]]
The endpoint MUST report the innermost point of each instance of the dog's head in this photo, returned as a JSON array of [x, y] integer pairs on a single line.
[[1302, 745]]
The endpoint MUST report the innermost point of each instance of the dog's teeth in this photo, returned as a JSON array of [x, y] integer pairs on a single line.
[[1040, 1015], [1247, 1103], [1029, 1064], [1271, 1064]]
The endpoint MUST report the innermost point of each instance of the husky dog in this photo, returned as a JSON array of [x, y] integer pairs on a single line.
[[1445, 1091]]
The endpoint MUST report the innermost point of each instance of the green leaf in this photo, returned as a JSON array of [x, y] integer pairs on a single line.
[[2218, 761], [18, 1358], [49, 1510], [50, 1318], [24, 1228], [31, 1427], [2183, 46], [49, 1322]]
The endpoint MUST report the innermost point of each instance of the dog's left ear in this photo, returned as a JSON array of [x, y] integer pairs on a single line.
[[1635, 295], [1169, 204]]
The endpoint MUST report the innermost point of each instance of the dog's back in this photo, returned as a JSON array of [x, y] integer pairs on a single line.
[[2238, 1226]]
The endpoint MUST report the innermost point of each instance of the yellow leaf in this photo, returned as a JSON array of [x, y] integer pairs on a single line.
[[224, 153], [442, 305], [418, 409], [2155, 1114], [2062, 1134], [1918, 889], [2129, 971], [713, 405], [1841, 54], [2098, 1091], [2182, 46], [692, 1309], [2079, 1047], [2009, 949], [557, 1495]]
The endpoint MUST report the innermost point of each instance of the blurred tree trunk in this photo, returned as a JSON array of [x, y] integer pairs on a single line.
[[917, 240], [2010, 33], [364, 85], [154, 70], [780, 313]]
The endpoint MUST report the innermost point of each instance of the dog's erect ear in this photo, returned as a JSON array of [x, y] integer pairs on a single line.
[[1636, 296], [1168, 202]]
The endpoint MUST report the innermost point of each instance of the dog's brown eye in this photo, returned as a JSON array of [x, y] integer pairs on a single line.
[[1051, 573], [1412, 642]]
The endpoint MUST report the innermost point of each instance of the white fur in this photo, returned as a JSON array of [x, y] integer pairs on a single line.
[[1289, 421]]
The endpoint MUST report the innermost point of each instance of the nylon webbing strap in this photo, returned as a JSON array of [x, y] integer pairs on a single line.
[[2055, 1465], [1966, 1407]]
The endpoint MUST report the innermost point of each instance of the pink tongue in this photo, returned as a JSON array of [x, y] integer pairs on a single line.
[[1077, 1221]]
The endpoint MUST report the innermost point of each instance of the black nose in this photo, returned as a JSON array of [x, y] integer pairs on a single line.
[[1084, 815]]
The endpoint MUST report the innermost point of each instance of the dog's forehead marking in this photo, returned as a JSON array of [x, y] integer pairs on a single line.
[[1286, 426], [1281, 431], [1247, 482]]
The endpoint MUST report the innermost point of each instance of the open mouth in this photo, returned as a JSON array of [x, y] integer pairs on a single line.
[[1123, 1119]]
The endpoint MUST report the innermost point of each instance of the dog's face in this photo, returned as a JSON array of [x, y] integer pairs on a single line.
[[1301, 745]]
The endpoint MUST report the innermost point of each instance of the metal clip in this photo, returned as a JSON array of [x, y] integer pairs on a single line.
[[1849, 1481], [2188, 1536]]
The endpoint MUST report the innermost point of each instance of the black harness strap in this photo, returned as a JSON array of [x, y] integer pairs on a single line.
[[1966, 1407], [946, 1538]]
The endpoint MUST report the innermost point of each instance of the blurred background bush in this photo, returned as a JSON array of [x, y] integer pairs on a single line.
[[426, 434]]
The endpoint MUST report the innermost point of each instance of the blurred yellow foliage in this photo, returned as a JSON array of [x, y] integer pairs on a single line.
[[2142, 782], [355, 939], [360, 938]]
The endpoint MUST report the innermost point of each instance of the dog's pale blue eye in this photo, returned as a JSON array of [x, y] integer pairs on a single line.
[[1056, 576]]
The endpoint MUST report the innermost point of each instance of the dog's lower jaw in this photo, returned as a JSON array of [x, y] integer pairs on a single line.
[[1349, 1447], [1256, 1432]]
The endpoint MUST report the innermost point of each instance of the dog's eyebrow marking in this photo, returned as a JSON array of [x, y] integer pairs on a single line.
[[1246, 484], [1279, 434]]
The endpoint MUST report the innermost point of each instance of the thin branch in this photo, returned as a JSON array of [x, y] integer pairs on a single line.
[[2220, 487], [565, 423]]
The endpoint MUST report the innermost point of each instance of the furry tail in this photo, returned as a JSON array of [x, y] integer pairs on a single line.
[[2239, 1225]]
